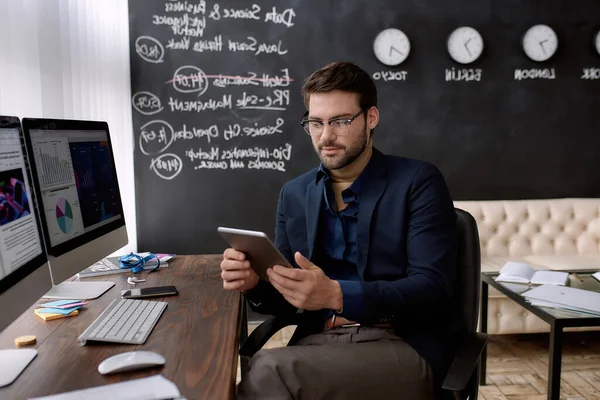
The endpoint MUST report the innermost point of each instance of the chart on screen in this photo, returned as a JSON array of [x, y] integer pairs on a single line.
[[64, 215], [54, 157]]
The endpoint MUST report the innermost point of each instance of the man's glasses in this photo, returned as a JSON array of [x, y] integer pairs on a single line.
[[339, 126]]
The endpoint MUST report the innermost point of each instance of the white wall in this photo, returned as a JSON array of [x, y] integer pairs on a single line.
[[70, 59]]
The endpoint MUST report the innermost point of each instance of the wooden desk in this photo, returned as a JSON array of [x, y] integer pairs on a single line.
[[198, 334]]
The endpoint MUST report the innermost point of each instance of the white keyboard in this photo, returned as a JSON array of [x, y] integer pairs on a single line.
[[124, 321]]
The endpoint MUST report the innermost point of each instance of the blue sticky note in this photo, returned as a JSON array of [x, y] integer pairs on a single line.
[[59, 303], [63, 311]]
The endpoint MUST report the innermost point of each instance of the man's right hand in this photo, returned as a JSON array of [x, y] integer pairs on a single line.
[[236, 272]]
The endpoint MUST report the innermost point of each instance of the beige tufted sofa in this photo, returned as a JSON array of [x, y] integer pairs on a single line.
[[546, 234]]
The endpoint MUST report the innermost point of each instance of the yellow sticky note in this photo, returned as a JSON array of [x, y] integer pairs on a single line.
[[50, 317]]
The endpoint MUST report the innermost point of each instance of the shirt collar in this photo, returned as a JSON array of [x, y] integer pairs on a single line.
[[354, 191]]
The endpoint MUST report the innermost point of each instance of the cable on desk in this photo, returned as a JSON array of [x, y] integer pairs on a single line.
[[136, 263]]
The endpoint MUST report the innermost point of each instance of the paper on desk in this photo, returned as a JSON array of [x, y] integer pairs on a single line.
[[156, 387], [558, 306], [566, 296], [63, 311]]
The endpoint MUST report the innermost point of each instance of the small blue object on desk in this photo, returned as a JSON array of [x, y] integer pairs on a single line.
[[62, 307], [63, 311], [137, 262], [59, 303]]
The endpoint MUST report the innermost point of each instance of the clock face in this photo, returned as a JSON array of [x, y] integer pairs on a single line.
[[540, 42], [597, 42], [465, 45], [391, 46]]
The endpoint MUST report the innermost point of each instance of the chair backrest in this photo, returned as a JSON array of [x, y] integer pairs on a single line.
[[469, 268]]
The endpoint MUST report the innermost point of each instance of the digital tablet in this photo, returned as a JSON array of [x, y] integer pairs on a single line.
[[257, 246]]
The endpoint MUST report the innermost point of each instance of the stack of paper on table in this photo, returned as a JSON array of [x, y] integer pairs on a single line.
[[567, 298], [523, 273], [58, 309]]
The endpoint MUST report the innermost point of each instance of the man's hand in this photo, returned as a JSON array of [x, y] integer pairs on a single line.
[[308, 288], [236, 272]]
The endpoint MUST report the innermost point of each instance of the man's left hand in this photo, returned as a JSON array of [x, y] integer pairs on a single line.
[[308, 288]]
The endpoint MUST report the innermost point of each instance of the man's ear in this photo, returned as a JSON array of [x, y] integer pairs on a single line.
[[372, 117]]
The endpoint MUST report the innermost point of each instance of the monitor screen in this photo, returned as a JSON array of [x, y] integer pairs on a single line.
[[75, 175], [24, 273], [20, 241]]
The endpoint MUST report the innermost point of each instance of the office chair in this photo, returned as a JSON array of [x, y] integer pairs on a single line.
[[462, 379]]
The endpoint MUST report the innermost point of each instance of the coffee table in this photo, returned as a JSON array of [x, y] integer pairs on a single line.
[[557, 319]]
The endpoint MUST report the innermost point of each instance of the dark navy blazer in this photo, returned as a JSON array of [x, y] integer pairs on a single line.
[[406, 245]]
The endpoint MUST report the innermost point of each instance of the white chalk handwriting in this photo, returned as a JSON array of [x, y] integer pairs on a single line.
[[155, 137], [258, 158], [198, 105], [533, 73], [235, 130], [149, 49], [390, 75], [252, 45], [249, 13], [286, 17], [167, 166], [252, 79], [463, 74], [216, 44], [184, 25], [185, 6], [189, 79], [279, 101], [186, 133], [590, 74], [146, 103]]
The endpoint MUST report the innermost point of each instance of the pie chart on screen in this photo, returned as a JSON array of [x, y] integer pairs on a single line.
[[64, 215]]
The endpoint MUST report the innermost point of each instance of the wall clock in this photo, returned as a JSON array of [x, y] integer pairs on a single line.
[[465, 45], [540, 42], [391, 46]]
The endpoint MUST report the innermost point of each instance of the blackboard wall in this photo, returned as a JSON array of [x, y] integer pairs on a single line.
[[498, 137]]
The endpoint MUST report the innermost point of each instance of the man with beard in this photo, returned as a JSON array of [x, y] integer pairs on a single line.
[[373, 239]]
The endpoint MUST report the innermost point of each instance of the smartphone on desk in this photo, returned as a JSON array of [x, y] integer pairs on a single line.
[[157, 291]]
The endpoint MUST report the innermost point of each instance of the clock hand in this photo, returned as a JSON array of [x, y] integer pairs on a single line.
[[542, 46], [467, 47], [392, 48]]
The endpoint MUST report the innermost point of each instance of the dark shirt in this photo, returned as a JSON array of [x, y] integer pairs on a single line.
[[337, 231]]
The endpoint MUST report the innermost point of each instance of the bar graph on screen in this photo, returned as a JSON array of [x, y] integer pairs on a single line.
[[55, 158]]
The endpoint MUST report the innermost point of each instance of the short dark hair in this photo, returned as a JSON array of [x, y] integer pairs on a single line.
[[344, 76]]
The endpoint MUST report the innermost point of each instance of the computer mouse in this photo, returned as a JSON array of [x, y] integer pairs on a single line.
[[130, 361]]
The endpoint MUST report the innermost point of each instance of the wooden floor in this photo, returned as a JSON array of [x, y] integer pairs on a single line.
[[517, 367]]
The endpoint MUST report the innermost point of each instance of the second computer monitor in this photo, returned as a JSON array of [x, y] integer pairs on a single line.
[[24, 275], [80, 205]]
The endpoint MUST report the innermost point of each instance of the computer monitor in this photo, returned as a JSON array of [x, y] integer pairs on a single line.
[[24, 273], [81, 213]]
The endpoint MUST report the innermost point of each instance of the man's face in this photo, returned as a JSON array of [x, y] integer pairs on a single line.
[[338, 151]]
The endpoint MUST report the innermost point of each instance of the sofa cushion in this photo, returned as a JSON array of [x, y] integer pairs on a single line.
[[536, 227], [567, 262]]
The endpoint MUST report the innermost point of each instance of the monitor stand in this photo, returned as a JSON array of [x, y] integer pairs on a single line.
[[78, 290], [13, 362]]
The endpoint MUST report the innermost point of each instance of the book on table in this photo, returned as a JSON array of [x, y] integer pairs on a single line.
[[522, 273]]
